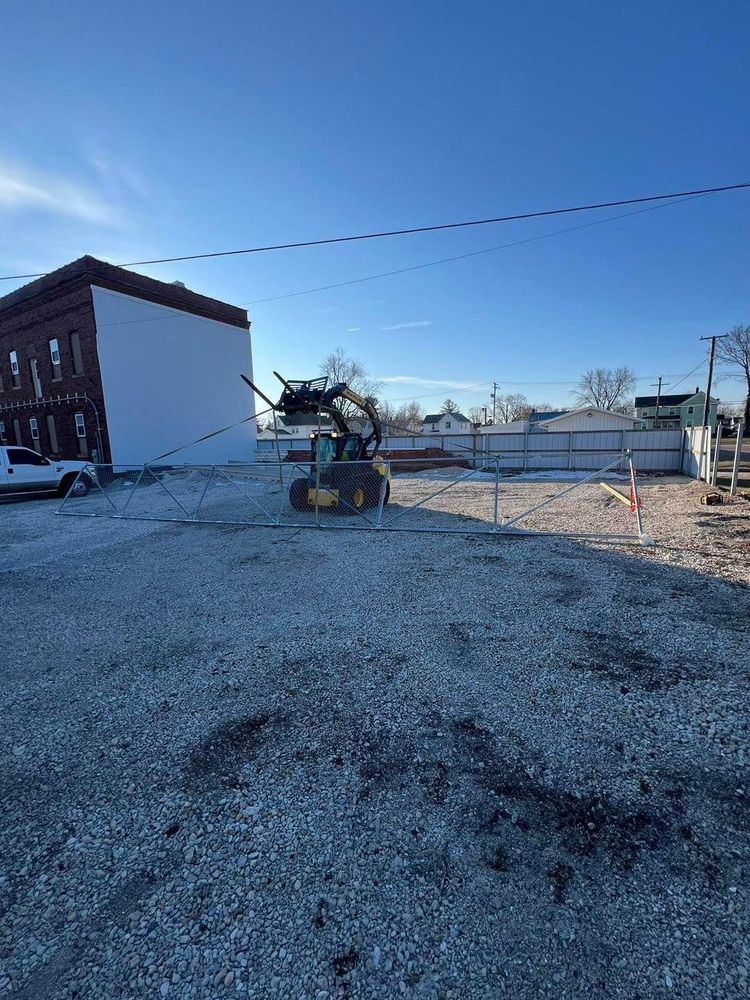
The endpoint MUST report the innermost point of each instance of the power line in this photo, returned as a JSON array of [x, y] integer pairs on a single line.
[[465, 256], [692, 372], [420, 229], [432, 263]]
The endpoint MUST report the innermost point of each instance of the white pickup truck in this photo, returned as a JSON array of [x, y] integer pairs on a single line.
[[23, 472]]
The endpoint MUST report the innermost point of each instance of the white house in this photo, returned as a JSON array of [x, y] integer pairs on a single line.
[[589, 418], [446, 423]]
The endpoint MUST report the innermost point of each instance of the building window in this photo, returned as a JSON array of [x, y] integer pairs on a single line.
[[80, 426], [17, 431], [35, 380], [52, 433], [75, 351], [15, 372], [690, 409], [2, 432], [54, 353], [34, 428], [447, 425]]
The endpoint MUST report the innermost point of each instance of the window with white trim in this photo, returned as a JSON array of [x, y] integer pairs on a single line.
[[15, 371], [2, 432], [34, 428], [80, 425], [54, 353]]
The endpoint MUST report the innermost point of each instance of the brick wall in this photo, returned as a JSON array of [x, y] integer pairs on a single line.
[[26, 328]]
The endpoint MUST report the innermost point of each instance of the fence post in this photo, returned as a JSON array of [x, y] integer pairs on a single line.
[[717, 452], [525, 450], [497, 491], [570, 450], [737, 457]]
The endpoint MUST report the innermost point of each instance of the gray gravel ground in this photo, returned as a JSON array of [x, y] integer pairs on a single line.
[[277, 763]]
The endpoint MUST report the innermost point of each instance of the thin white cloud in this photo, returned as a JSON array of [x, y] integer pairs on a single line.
[[407, 326], [417, 380], [22, 189], [353, 329], [117, 173]]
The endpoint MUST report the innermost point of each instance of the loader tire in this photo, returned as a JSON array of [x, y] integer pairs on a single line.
[[298, 494], [372, 490]]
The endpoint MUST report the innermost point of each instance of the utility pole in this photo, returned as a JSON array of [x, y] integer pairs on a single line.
[[494, 401], [658, 400], [703, 473], [711, 352]]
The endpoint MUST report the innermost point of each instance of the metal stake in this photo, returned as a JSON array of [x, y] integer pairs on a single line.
[[717, 451], [737, 457], [497, 491], [636, 502]]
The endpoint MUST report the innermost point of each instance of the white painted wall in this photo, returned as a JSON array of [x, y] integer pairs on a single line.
[[514, 427], [171, 380]]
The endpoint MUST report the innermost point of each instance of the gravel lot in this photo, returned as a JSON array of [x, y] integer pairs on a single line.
[[285, 763]]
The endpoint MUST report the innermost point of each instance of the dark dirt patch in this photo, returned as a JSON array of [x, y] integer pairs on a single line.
[[433, 776], [568, 588], [561, 877], [224, 751], [344, 963], [581, 825], [621, 660], [498, 859]]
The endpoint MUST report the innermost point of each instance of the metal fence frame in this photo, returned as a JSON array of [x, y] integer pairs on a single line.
[[379, 521]]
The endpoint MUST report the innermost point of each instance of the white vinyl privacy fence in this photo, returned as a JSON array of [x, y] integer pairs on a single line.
[[652, 451]]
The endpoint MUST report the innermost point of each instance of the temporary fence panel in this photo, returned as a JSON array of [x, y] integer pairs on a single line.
[[432, 496]]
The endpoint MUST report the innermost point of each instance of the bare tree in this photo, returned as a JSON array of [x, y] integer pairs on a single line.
[[340, 367], [411, 416], [734, 350], [511, 406], [542, 408], [605, 388], [403, 419], [449, 406], [477, 414]]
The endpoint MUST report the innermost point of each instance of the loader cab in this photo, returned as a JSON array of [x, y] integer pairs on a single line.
[[332, 446]]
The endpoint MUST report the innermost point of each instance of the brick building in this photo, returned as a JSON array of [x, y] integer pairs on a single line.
[[97, 361]]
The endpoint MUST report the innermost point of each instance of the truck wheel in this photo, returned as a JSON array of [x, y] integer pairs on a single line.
[[298, 494], [80, 486]]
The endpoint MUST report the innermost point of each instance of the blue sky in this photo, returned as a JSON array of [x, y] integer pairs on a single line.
[[147, 130]]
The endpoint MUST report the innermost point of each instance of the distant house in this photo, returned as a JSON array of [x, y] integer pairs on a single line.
[[537, 416], [587, 418], [268, 434], [684, 409], [301, 425], [446, 423]]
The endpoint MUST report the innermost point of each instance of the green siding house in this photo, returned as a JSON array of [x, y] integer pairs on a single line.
[[681, 410]]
